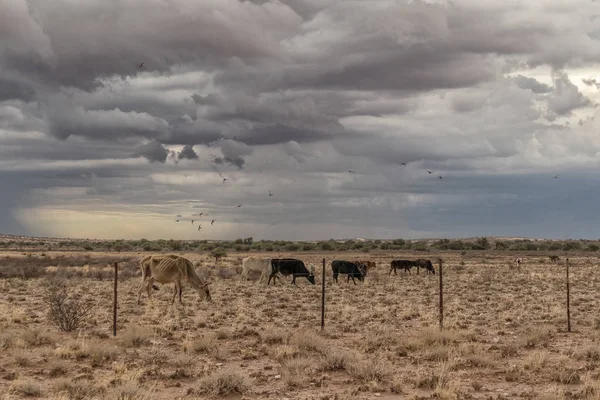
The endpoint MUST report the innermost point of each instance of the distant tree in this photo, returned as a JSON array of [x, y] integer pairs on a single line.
[[554, 258], [593, 247], [326, 246], [218, 253], [248, 240], [456, 245], [572, 245], [399, 242], [501, 245], [482, 243]]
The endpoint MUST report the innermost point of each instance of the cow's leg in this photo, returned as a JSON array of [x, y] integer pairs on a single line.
[[175, 290], [180, 290], [142, 287], [390, 273], [149, 283], [335, 277], [353, 281]]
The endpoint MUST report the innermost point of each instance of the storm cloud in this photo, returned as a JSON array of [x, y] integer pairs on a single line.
[[239, 98]]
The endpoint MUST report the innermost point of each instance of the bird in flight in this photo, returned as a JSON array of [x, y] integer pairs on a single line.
[[270, 194], [199, 226], [225, 179], [192, 222], [556, 177], [239, 206], [403, 164], [176, 220], [352, 172], [431, 172], [200, 214], [141, 66], [440, 177], [212, 222]]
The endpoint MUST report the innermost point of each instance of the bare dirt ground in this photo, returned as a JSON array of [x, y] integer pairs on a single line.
[[505, 334]]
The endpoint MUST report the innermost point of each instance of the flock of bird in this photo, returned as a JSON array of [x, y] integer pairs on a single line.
[[212, 222]]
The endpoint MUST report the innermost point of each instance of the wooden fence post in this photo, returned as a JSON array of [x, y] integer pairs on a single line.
[[441, 295], [115, 300], [323, 298], [568, 300]]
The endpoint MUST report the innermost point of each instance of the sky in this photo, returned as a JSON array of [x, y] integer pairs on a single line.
[[286, 97]]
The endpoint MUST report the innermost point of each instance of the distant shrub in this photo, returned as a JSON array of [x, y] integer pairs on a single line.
[[65, 311]]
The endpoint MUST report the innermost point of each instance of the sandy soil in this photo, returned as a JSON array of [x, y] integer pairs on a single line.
[[504, 338]]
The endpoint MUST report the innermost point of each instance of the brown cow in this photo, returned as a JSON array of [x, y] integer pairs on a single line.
[[368, 264]]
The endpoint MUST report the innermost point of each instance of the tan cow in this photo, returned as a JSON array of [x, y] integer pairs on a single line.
[[259, 264], [145, 267], [174, 269]]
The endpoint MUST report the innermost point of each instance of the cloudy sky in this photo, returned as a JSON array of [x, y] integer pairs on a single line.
[[288, 96]]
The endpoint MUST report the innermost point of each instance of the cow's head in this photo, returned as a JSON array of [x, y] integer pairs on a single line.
[[311, 277], [206, 291]]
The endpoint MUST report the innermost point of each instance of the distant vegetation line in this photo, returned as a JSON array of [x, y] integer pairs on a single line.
[[248, 244]]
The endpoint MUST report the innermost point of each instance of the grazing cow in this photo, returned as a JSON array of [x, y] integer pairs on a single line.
[[291, 266], [175, 270], [426, 264], [262, 265], [406, 265], [518, 261], [368, 264], [145, 267], [353, 270]]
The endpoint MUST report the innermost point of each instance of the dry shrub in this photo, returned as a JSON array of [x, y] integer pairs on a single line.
[[309, 341], [428, 337], [75, 390], [131, 391], [222, 383], [297, 370], [203, 344], [65, 311], [535, 337], [135, 336], [26, 388], [338, 360], [370, 370], [36, 338], [274, 336]]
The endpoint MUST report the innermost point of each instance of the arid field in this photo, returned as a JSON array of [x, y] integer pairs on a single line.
[[505, 331]]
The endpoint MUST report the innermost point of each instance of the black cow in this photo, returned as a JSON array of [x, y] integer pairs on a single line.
[[426, 264], [290, 266], [406, 265], [354, 270]]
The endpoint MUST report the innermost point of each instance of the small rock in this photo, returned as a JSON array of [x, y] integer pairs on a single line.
[[268, 367], [377, 394], [277, 377], [218, 364]]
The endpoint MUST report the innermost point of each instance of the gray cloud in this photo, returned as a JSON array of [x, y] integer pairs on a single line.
[[565, 97], [532, 84], [187, 153], [288, 96], [591, 82], [153, 151]]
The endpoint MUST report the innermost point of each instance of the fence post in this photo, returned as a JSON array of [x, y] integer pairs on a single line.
[[323, 298], [441, 295], [115, 300], [568, 300]]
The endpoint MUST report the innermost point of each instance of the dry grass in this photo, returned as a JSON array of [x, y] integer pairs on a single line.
[[504, 338]]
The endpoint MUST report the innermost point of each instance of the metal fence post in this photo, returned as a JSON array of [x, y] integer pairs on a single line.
[[568, 300], [323, 298], [115, 300], [441, 295]]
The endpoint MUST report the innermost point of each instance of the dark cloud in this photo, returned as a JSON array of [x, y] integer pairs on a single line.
[[153, 151], [532, 84], [565, 97], [187, 153], [591, 82], [287, 96]]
